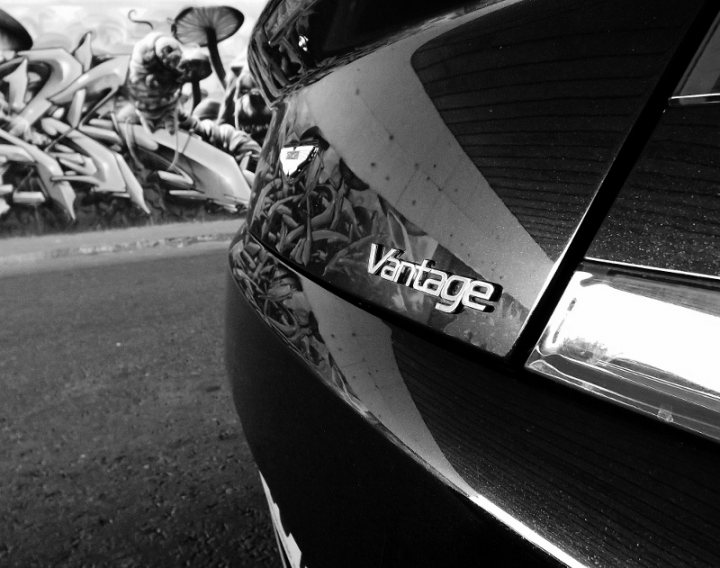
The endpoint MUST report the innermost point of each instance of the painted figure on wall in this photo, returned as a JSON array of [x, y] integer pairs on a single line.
[[108, 139]]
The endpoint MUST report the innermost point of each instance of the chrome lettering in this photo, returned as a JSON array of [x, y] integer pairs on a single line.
[[433, 284], [422, 269], [409, 269], [473, 297], [390, 269], [373, 264], [454, 292]]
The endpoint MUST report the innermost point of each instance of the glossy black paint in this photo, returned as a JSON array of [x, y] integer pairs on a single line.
[[478, 143], [668, 213], [541, 96], [614, 489], [300, 40], [349, 496], [493, 141], [325, 218], [604, 485]]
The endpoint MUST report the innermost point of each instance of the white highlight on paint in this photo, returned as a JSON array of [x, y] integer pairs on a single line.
[[286, 541]]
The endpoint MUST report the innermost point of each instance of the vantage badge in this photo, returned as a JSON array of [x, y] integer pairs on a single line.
[[452, 291]]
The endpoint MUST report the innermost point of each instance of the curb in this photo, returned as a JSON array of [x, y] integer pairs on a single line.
[[108, 248]]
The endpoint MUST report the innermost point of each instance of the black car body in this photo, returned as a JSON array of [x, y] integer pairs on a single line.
[[473, 311]]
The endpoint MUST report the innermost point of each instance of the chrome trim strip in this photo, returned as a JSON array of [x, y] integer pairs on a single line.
[[669, 271]]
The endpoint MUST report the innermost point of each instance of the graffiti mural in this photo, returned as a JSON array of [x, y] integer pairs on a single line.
[[96, 139]]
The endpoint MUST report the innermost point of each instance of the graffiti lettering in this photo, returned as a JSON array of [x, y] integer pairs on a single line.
[[78, 127]]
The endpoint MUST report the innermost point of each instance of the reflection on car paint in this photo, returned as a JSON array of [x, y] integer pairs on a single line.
[[277, 295], [445, 175], [480, 150], [286, 541], [667, 214], [325, 219], [347, 348], [355, 354]]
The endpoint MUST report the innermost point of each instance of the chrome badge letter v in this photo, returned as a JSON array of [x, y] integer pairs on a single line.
[[454, 292]]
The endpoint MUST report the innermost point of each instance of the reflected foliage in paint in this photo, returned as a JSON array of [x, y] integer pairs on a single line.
[[324, 218], [277, 296]]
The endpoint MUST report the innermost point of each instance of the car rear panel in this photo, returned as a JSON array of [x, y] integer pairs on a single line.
[[490, 141], [349, 492], [656, 221], [581, 479], [541, 96], [478, 143]]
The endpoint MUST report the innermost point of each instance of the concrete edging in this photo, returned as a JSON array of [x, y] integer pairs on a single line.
[[32, 250]]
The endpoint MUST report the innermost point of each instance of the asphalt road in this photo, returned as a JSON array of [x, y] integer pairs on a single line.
[[119, 443]]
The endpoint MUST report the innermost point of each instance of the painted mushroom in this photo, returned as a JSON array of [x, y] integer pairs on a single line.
[[13, 36], [208, 26], [195, 67]]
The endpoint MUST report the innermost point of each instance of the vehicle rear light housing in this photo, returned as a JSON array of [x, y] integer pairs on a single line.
[[646, 340]]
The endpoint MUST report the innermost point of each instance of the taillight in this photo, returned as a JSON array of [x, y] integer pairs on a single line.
[[639, 322], [642, 339]]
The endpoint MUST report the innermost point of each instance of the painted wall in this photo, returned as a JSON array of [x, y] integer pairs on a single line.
[[115, 116]]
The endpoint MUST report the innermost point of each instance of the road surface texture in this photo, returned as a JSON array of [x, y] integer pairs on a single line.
[[120, 444]]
